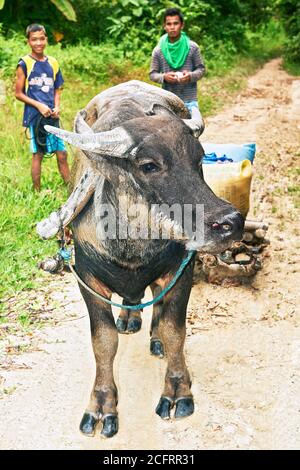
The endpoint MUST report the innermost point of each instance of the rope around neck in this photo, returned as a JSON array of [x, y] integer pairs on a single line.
[[156, 299]]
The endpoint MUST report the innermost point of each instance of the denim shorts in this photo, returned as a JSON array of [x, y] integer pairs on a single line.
[[53, 143], [191, 104]]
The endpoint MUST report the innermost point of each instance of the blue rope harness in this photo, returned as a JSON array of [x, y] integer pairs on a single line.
[[67, 257]]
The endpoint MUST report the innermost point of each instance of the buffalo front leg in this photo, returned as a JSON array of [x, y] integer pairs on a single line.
[[129, 320], [172, 331], [103, 399], [156, 345]]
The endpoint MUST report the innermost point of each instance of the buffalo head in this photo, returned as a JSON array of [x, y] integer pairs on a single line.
[[155, 159]]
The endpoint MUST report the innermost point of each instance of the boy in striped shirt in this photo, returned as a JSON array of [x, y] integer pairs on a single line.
[[176, 60]]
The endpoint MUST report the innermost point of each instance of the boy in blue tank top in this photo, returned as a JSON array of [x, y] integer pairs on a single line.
[[38, 83]]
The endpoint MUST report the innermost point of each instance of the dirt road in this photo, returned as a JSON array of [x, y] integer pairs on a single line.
[[243, 343]]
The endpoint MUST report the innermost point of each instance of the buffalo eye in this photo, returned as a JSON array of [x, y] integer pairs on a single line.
[[149, 167]]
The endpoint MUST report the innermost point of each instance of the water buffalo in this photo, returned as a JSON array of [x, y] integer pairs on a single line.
[[139, 144]]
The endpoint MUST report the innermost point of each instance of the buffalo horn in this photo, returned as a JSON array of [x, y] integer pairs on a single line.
[[114, 143], [196, 123]]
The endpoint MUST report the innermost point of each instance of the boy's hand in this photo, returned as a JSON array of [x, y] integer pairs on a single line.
[[55, 112], [186, 77], [44, 110], [170, 77]]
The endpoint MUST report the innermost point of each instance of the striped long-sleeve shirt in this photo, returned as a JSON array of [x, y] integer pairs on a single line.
[[193, 64]]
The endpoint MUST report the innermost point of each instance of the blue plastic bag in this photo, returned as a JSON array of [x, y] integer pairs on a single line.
[[212, 158], [234, 152]]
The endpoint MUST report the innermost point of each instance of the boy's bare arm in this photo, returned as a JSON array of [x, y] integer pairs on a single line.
[[55, 112], [20, 95]]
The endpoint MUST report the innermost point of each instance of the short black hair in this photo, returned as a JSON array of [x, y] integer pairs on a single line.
[[173, 12], [33, 28]]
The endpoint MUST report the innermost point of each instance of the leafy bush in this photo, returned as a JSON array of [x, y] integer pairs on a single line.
[[289, 11], [10, 51], [135, 25], [108, 63], [85, 60]]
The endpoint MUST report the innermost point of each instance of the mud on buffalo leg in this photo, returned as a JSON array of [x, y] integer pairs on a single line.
[[103, 399], [156, 345], [172, 332], [129, 321]]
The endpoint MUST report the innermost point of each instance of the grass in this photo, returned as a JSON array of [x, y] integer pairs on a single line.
[[293, 69], [20, 207], [215, 92], [9, 390], [294, 192]]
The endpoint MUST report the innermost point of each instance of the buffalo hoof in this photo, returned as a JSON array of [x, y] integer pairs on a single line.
[[134, 324], [156, 348], [121, 325], [88, 424], [110, 426], [163, 408], [184, 407]]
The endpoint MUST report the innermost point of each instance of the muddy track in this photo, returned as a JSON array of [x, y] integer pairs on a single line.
[[243, 343]]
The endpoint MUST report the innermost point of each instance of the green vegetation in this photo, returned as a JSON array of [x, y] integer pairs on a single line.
[[111, 42], [135, 25], [20, 207], [289, 12], [65, 6]]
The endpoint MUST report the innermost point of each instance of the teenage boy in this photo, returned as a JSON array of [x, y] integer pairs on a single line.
[[176, 60], [38, 82]]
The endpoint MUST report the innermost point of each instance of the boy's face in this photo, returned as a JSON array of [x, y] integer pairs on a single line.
[[173, 27], [37, 41]]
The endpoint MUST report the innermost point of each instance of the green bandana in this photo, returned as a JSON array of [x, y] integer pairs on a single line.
[[175, 53]]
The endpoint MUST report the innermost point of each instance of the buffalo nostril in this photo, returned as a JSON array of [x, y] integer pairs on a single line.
[[225, 227]]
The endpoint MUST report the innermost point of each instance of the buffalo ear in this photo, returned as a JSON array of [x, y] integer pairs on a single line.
[[158, 109], [80, 124], [196, 124]]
